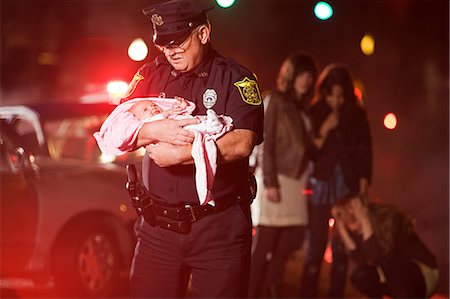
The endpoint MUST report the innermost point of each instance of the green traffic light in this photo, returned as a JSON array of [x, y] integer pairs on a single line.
[[225, 3], [323, 10]]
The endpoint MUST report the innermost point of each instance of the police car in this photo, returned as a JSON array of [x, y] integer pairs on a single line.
[[65, 214]]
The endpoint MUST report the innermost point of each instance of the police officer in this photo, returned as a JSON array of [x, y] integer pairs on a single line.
[[177, 237]]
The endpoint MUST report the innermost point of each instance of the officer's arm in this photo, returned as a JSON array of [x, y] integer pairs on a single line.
[[166, 130], [234, 145]]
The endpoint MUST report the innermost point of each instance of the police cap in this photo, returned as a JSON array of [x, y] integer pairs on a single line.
[[173, 21]]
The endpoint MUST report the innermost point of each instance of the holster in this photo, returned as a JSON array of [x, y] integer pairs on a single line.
[[179, 217]]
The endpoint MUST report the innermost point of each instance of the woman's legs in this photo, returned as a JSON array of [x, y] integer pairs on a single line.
[[403, 280], [317, 242], [265, 240], [290, 239]]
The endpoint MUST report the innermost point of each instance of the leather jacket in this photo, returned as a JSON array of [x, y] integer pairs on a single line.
[[285, 139]]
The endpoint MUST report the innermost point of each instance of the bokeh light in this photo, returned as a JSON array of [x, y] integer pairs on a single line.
[[358, 94], [390, 121], [323, 10], [138, 50], [367, 44], [225, 3], [117, 89]]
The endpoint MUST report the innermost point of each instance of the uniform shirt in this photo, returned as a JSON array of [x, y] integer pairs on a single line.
[[233, 91]]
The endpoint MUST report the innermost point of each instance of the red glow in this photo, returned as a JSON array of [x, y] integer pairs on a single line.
[[390, 121], [358, 93], [307, 192], [328, 256], [331, 222], [253, 232]]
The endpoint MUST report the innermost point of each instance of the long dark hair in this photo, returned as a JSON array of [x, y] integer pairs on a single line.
[[351, 110], [292, 66], [389, 224]]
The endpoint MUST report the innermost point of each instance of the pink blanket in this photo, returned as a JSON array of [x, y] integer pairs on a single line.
[[118, 134]]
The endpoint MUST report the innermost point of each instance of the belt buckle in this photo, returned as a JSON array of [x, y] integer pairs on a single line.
[[189, 206]]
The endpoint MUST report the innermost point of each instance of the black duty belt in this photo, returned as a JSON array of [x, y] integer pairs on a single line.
[[176, 217], [179, 217]]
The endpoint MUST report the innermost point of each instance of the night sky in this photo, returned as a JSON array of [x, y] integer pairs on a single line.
[[57, 50]]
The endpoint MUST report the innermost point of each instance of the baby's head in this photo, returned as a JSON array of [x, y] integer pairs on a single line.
[[144, 109]]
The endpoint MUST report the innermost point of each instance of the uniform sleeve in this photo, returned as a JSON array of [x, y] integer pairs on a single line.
[[245, 104], [136, 88], [269, 152]]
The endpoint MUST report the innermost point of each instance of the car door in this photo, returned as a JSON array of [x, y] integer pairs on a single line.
[[19, 208]]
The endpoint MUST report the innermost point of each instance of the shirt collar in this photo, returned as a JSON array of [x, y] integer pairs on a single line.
[[202, 70]]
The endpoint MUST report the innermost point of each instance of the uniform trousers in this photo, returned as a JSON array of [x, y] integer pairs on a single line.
[[215, 255]]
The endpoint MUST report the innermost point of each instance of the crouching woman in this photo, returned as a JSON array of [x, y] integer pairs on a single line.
[[390, 257]]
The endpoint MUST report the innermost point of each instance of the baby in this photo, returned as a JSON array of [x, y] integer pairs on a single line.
[[148, 110], [119, 132]]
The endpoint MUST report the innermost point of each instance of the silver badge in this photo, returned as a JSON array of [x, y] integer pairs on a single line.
[[209, 98]]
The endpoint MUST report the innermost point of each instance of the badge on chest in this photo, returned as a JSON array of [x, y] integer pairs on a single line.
[[209, 98]]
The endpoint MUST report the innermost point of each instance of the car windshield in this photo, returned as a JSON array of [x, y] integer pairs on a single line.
[[71, 138]]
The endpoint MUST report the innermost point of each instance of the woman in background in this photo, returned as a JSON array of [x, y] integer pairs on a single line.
[[342, 158], [285, 169], [390, 257]]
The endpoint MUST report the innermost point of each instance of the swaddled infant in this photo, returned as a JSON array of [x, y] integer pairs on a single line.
[[119, 132]]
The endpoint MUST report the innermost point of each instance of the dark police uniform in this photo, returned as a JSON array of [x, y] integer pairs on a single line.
[[217, 247]]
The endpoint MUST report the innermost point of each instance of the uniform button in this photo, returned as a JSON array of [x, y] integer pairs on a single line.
[[165, 212], [173, 73], [168, 225]]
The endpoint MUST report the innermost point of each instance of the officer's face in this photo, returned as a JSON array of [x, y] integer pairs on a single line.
[[188, 54]]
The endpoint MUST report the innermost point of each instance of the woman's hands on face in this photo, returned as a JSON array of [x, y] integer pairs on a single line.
[[361, 214], [358, 209]]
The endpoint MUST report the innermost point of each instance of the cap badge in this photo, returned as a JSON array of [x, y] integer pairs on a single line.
[[209, 98], [157, 20], [249, 91]]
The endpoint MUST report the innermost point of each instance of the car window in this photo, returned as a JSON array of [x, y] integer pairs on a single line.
[[72, 138], [10, 152]]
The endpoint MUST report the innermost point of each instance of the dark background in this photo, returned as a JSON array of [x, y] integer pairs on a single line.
[[55, 50]]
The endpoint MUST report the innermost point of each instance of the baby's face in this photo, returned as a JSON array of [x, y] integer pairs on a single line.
[[144, 109]]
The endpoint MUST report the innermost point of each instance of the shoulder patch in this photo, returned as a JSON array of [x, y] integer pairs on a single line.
[[132, 86], [249, 90]]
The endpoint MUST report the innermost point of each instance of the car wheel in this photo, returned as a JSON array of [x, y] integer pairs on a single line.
[[86, 260]]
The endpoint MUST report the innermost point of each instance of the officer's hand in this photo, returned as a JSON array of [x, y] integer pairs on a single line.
[[169, 130], [165, 154], [273, 194]]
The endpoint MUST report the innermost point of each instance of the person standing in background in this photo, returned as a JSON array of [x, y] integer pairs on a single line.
[[342, 159], [284, 167]]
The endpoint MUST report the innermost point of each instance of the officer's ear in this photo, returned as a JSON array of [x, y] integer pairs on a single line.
[[204, 33]]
